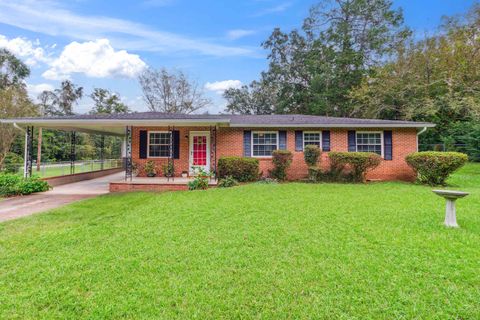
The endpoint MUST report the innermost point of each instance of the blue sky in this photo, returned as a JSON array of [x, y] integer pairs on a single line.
[[217, 43]]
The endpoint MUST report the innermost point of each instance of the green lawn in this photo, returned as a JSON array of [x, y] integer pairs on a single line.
[[376, 251]]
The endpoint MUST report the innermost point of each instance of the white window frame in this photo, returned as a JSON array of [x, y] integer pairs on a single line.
[[381, 139], [148, 145], [319, 142], [251, 142]]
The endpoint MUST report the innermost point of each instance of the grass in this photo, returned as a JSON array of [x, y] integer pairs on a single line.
[[289, 251]]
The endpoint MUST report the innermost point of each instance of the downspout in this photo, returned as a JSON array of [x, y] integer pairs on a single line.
[[419, 133]]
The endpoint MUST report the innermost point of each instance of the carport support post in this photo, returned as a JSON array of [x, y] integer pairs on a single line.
[[128, 153], [72, 152], [27, 164], [102, 149]]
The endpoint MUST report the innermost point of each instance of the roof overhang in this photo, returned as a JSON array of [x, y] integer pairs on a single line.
[[335, 125], [111, 126]]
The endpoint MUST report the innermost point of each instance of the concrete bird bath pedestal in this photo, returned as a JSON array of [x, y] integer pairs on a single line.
[[450, 213]]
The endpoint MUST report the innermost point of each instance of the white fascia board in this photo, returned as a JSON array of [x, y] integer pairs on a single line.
[[336, 125], [116, 122]]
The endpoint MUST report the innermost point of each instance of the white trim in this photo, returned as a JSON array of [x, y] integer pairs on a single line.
[[191, 134], [332, 125], [148, 144], [251, 143], [320, 141], [381, 140], [156, 122]]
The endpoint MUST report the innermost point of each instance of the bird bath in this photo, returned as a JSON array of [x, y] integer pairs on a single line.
[[450, 212]]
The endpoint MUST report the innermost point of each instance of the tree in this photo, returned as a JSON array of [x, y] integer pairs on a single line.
[[436, 79], [171, 92], [12, 70], [313, 70], [61, 100], [256, 98], [107, 102], [14, 103]]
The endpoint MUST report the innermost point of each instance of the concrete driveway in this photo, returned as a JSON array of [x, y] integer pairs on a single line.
[[17, 207]]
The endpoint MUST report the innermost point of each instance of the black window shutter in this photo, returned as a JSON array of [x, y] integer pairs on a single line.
[[387, 145], [298, 140], [247, 143], [352, 141], [176, 144], [282, 140], [143, 144], [326, 140]]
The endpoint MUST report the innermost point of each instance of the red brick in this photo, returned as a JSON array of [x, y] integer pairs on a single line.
[[230, 143]]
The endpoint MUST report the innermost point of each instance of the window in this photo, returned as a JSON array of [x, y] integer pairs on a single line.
[[158, 144], [312, 138], [263, 143], [369, 142]]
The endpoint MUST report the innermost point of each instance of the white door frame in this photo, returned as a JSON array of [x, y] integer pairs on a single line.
[[190, 161]]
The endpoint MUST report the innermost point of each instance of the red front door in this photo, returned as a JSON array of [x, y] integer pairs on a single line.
[[199, 149]]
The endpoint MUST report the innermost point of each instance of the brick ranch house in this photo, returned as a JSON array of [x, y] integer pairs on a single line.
[[200, 140]]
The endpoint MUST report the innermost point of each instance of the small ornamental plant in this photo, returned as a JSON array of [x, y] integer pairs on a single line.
[[434, 168], [168, 170], [282, 159], [227, 182], [150, 168]]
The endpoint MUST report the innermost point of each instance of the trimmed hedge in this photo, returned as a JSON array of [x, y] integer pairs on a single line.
[[356, 163], [241, 169], [311, 154], [434, 168], [12, 185], [282, 159]]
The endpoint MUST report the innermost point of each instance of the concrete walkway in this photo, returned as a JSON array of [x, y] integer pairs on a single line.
[[22, 206]]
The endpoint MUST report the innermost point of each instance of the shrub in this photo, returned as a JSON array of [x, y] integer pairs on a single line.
[[12, 163], [9, 184], [241, 169], [12, 184], [32, 185], [433, 168], [311, 154], [358, 164], [199, 183], [227, 182], [281, 161], [314, 173]]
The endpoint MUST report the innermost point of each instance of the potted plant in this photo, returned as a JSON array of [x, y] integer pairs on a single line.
[[168, 170], [150, 169], [184, 174]]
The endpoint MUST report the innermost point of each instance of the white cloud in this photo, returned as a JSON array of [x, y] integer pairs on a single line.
[[29, 51], [35, 89], [220, 86], [276, 9], [49, 17], [239, 33], [95, 59]]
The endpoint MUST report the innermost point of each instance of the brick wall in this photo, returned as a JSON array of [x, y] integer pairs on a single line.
[[230, 143]]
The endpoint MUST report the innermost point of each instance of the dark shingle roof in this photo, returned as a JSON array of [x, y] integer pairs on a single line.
[[290, 120]]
